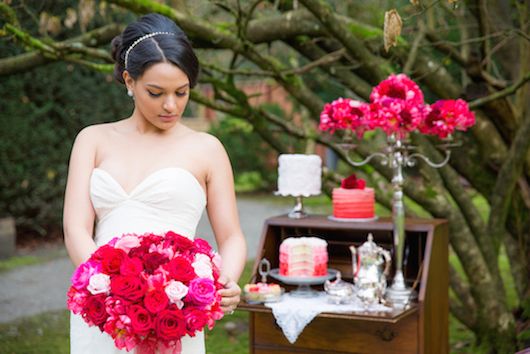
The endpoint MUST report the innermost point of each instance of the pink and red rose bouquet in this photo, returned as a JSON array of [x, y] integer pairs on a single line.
[[397, 107], [148, 291]]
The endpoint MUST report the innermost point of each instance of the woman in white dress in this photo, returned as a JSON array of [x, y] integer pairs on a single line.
[[148, 172]]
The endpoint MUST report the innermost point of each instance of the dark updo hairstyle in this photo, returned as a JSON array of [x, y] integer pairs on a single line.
[[174, 48]]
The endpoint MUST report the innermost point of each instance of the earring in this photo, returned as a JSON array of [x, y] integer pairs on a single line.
[[129, 93]]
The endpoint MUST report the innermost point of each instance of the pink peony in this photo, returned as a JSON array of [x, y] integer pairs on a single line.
[[75, 300], [399, 88], [82, 274], [395, 116], [344, 113], [446, 116]]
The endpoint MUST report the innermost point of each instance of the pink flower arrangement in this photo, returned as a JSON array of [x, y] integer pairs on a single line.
[[149, 291], [397, 107]]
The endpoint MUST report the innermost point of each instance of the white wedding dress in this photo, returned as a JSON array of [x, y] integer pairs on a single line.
[[168, 199]]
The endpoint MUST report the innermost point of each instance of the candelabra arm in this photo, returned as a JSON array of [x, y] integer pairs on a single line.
[[367, 159], [411, 160]]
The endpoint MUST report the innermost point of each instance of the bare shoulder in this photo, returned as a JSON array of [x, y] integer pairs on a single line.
[[207, 142], [93, 133]]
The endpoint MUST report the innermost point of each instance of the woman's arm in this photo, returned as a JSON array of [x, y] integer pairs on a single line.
[[78, 214], [222, 211], [223, 215]]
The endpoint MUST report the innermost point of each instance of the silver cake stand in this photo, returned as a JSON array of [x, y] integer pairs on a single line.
[[304, 283]]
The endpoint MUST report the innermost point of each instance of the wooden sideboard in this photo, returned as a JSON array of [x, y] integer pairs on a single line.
[[422, 328]]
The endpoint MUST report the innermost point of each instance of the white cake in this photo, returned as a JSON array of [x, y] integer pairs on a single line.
[[299, 175]]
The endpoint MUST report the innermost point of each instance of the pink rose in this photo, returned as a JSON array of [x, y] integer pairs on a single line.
[[127, 242], [99, 284], [202, 246], [83, 273], [201, 291], [195, 320]]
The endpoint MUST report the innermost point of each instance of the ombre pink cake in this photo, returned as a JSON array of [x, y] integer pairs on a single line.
[[303, 257], [353, 203]]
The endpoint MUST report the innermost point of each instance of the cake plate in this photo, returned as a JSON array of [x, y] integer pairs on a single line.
[[333, 218], [304, 283]]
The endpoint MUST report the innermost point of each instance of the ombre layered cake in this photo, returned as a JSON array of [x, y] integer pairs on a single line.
[[303, 257], [353, 200], [353, 203]]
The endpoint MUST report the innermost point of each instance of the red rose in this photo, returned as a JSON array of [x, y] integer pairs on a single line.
[[180, 242], [156, 300], [180, 269], [139, 252], [95, 310], [195, 320], [352, 182], [202, 246], [131, 266], [102, 253], [153, 260], [349, 182], [361, 184], [112, 261], [170, 325], [141, 320], [131, 288]]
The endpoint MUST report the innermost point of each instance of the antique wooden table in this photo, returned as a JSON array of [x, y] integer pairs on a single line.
[[422, 328]]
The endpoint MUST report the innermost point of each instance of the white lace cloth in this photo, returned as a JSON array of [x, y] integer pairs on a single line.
[[293, 314]]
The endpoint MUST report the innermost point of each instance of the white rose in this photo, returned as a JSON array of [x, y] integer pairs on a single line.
[[99, 284], [175, 291], [199, 257], [203, 270], [217, 261]]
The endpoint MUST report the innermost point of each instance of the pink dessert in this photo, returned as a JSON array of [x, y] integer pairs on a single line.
[[303, 257], [353, 203]]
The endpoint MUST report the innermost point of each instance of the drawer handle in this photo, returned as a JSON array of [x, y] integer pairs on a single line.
[[386, 334]]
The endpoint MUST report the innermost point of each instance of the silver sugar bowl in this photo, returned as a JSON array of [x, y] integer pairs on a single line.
[[338, 291]]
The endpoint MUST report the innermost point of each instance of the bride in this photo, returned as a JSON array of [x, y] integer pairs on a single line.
[[148, 172]]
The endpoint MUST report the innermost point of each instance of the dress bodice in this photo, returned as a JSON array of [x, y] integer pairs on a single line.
[[168, 199]]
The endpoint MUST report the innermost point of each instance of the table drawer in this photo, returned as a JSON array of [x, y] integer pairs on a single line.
[[330, 335]]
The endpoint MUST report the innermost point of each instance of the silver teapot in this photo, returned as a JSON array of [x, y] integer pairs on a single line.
[[371, 265]]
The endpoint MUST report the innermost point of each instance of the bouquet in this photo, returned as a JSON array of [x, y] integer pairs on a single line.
[[397, 107], [148, 291]]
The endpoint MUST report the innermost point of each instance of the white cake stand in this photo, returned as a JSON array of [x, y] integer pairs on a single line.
[[304, 283], [298, 211]]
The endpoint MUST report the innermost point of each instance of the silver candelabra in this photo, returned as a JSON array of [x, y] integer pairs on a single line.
[[399, 154]]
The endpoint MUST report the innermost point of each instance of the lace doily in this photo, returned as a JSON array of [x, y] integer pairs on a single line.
[[293, 314]]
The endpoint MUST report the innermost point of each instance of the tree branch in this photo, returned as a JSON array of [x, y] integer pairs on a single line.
[[462, 290], [506, 181], [374, 66], [510, 90]]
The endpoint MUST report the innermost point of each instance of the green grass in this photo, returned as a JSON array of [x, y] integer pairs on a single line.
[[17, 261]]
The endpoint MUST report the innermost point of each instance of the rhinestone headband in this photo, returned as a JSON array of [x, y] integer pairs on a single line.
[[135, 43]]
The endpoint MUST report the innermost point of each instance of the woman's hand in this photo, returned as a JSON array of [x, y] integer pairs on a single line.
[[230, 295]]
